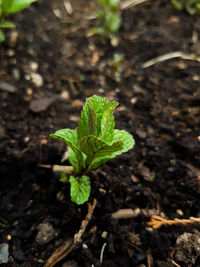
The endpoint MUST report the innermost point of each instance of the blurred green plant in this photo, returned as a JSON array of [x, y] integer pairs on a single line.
[[116, 66], [93, 143], [191, 6], [108, 19], [8, 7]]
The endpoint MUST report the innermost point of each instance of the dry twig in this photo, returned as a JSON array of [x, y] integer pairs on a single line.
[[168, 56], [157, 221], [130, 3], [64, 250]]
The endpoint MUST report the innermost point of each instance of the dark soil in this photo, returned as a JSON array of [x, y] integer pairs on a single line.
[[159, 105]]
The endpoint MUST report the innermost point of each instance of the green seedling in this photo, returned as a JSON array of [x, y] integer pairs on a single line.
[[108, 18], [8, 7], [116, 66], [93, 143], [191, 6]]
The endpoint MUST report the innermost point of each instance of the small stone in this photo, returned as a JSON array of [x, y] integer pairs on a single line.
[[37, 79], [133, 100], [9, 237], [13, 38], [7, 87], [29, 91], [114, 41], [73, 118], [64, 95], [180, 212], [39, 105], [34, 66], [188, 248], [10, 52], [104, 234], [27, 77], [77, 103], [26, 139], [43, 141], [85, 246], [46, 233], [142, 134], [4, 253]]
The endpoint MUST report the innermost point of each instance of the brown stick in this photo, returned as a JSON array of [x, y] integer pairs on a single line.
[[65, 249], [157, 221]]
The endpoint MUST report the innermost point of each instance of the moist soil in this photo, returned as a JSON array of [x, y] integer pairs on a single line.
[[49, 64]]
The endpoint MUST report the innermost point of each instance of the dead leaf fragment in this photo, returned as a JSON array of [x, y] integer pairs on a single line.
[[39, 105]]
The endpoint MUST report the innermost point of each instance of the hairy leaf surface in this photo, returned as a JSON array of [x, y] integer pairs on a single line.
[[80, 189]]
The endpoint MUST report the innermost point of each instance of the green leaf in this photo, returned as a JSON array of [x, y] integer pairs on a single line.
[[80, 189], [91, 145], [113, 21], [96, 149], [13, 6], [107, 122], [2, 37], [92, 115], [70, 138], [119, 136], [7, 24]]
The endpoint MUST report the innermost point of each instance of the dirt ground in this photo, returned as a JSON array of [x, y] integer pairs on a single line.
[[49, 65]]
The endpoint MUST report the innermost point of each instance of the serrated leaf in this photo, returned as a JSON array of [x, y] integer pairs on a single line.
[[94, 148], [70, 138], [119, 136], [80, 189], [7, 24], [107, 122], [2, 37], [95, 109], [13, 6]]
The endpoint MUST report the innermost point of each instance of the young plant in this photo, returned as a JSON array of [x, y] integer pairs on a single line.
[[192, 6], [116, 66], [93, 143], [108, 19], [8, 7]]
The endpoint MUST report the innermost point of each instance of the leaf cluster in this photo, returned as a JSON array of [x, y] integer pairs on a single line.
[[108, 19], [8, 7], [191, 6], [93, 143]]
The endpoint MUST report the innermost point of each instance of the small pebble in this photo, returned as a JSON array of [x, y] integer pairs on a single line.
[[9, 237], [64, 95], [77, 103], [45, 234], [14, 35], [104, 234], [180, 212], [7, 87], [4, 253], [37, 79], [34, 66]]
